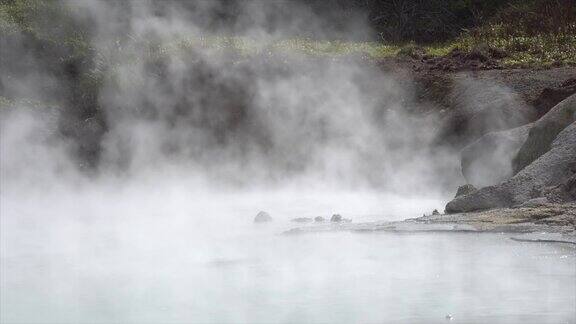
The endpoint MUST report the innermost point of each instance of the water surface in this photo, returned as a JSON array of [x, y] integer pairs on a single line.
[[151, 267]]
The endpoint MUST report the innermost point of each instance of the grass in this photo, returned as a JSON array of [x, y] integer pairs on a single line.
[[521, 51], [540, 50], [304, 46]]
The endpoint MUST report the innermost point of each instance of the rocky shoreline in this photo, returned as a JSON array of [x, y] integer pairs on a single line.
[[534, 191], [547, 222]]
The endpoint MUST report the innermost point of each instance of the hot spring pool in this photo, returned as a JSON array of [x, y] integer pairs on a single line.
[[256, 275]]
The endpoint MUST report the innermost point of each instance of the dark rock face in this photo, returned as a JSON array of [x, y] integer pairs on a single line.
[[262, 217], [488, 161], [550, 97], [465, 190], [555, 169], [543, 133], [319, 219], [336, 218], [302, 220]]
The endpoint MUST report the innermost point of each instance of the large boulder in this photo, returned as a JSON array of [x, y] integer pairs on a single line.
[[555, 167], [488, 161], [543, 133], [480, 107]]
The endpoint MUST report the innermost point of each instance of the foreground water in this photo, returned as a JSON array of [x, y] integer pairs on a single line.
[[150, 267]]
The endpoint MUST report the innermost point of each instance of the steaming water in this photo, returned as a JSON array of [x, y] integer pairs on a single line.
[[172, 257]]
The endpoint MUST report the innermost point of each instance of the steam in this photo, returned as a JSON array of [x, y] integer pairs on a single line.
[[270, 119], [186, 131]]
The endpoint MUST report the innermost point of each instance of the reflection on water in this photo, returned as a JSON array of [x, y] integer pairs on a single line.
[[258, 276]]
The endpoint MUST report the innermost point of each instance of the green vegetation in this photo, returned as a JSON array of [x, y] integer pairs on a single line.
[[530, 33]]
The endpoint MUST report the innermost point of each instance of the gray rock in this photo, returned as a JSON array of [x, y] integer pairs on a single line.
[[480, 107], [336, 218], [262, 217], [319, 219], [533, 203], [544, 131], [435, 212], [465, 190], [488, 161], [302, 220], [554, 168]]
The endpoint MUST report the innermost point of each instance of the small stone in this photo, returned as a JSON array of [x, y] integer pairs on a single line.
[[336, 218], [319, 219], [262, 217], [435, 212]]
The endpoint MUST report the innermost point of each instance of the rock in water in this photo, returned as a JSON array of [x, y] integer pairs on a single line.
[[465, 190], [543, 133], [262, 217], [435, 212], [319, 219], [488, 161], [336, 218], [302, 220]]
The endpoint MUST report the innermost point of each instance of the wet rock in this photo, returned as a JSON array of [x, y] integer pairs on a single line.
[[336, 218], [465, 190], [302, 220], [488, 161], [319, 219], [262, 217], [556, 168], [543, 133], [435, 212]]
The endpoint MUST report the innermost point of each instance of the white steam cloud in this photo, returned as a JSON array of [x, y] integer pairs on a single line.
[[267, 119]]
